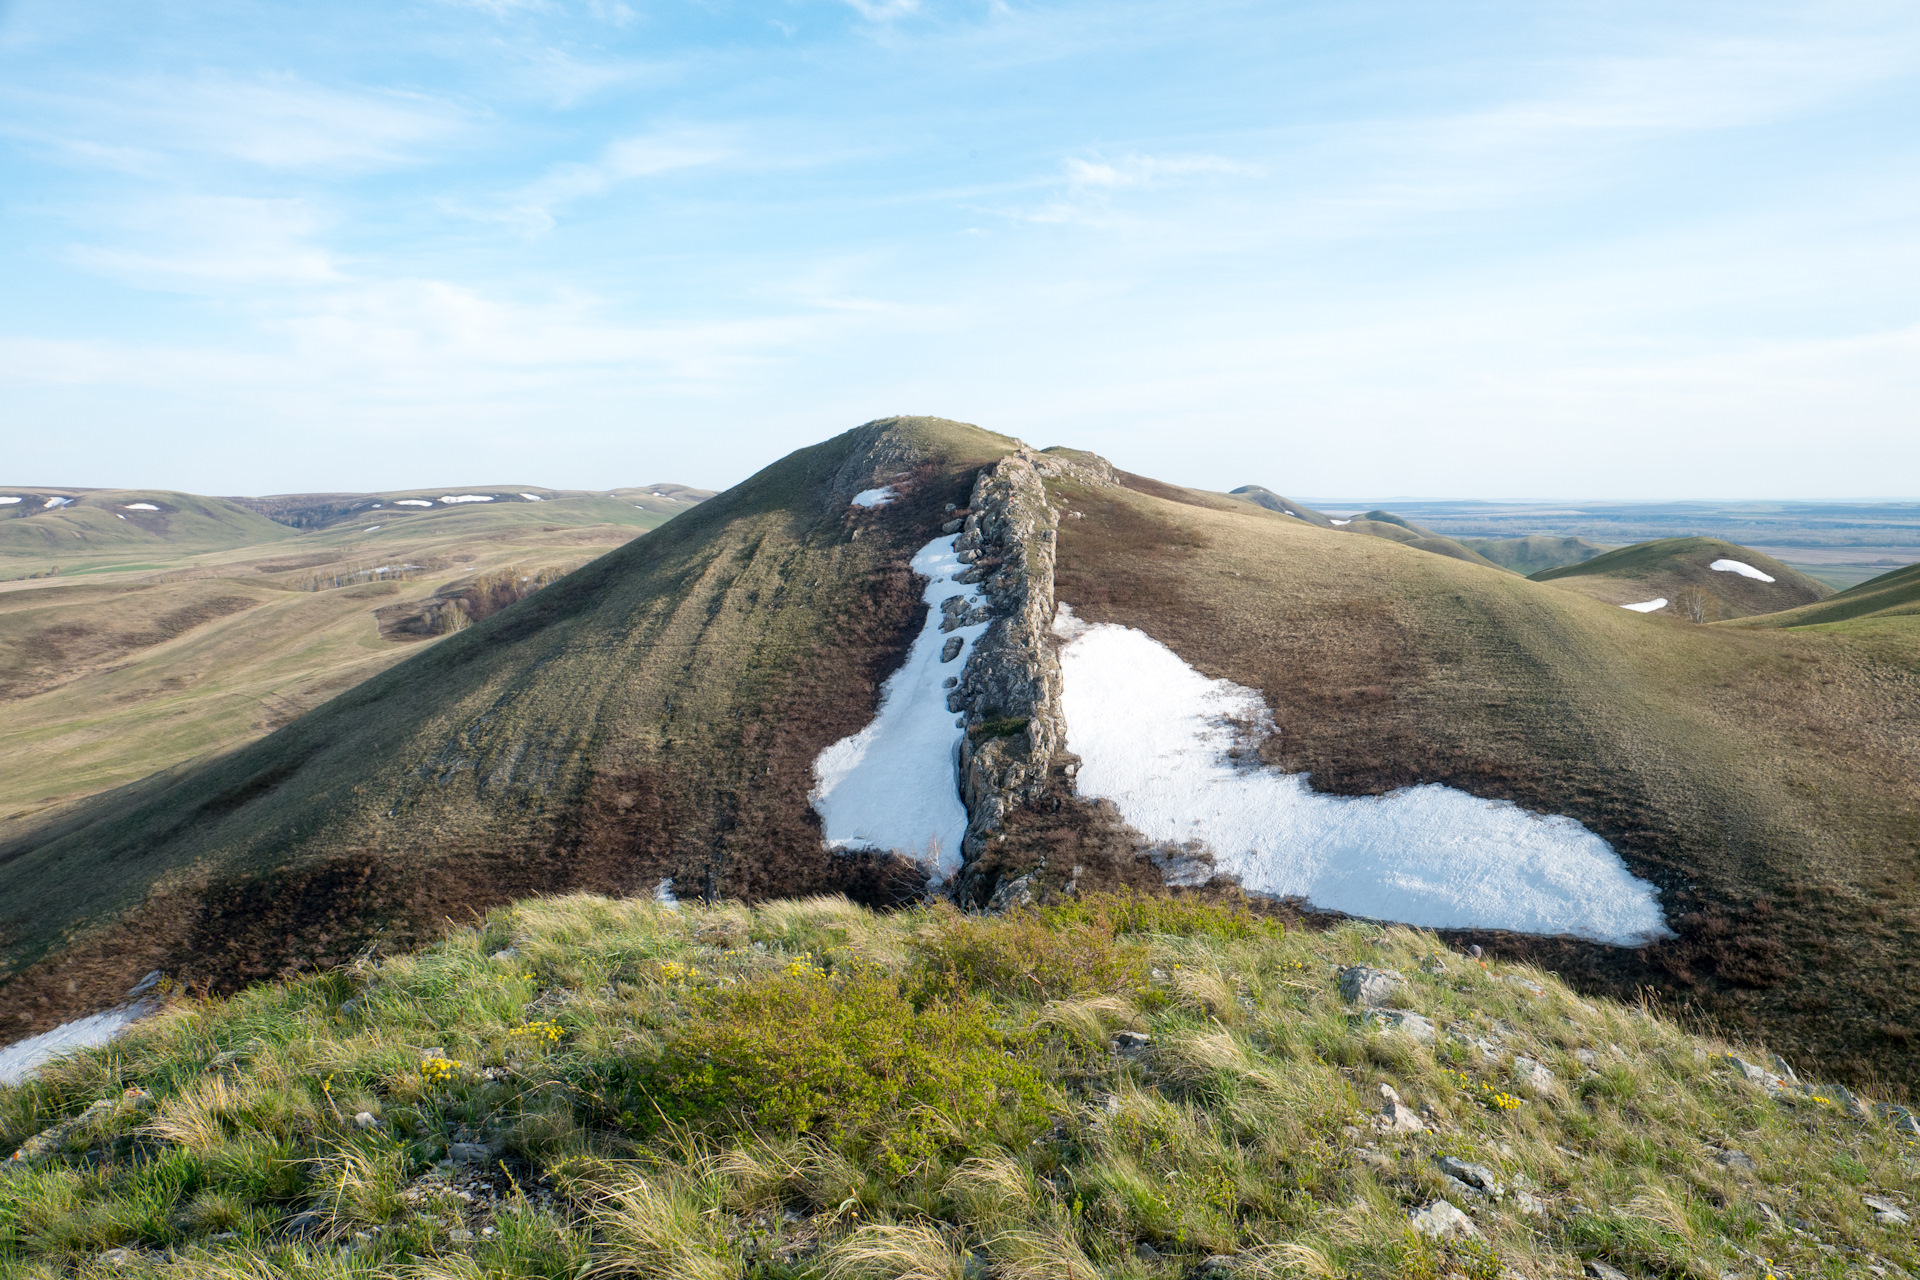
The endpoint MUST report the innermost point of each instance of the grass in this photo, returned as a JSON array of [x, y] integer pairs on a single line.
[[300, 1129], [1767, 781], [1890, 595]]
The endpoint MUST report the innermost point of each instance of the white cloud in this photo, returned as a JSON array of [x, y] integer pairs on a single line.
[[534, 207], [196, 241], [884, 10]]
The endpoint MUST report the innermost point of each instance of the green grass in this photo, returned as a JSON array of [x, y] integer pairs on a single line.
[[1891, 595], [1533, 553], [929, 1113]]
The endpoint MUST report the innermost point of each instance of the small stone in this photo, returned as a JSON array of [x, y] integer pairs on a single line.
[[1753, 1073], [117, 1258], [1219, 1264], [1397, 1116], [1404, 1021], [364, 1120], [1130, 1043], [1475, 951], [470, 1153], [1528, 1203], [1441, 1220], [460, 1235], [1362, 985], [1527, 985], [1784, 1071], [1738, 1161], [1885, 1211], [1586, 1057], [949, 682], [1531, 1075], [951, 649], [507, 953], [1599, 1270], [952, 526], [1477, 1176], [1379, 1162]]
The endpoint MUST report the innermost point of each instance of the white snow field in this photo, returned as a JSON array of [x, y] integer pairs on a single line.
[[895, 784], [874, 497], [412, 502], [531, 497], [1647, 606], [1331, 520], [453, 499], [1153, 736], [56, 502], [18, 1061], [7, 502], [1743, 569], [141, 506]]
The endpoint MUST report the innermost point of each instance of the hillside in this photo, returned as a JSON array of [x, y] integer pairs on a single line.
[[93, 529], [1737, 816], [1384, 524], [1142, 1090], [1533, 553], [1272, 501], [1682, 571], [1891, 595]]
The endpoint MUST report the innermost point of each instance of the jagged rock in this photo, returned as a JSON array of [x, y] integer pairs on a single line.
[[470, 1152], [1464, 1035], [1012, 895], [1754, 1073], [1528, 1203], [952, 526], [1784, 1071], [145, 984], [1462, 1190], [1903, 1121], [1599, 1270], [1849, 1102], [951, 649], [1885, 1211], [1738, 1161], [950, 682], [1474, 1175], [1360, 984], [1527, 985], [1130, 1043], [1441, 1221]]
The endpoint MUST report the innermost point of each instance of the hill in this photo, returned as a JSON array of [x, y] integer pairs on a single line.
[[1384, 524], [1531, 554], [1891, 595], [109, 672], [1736, 824], [81, 530], [1272, 501], [1720, 579], [1117, 1088]]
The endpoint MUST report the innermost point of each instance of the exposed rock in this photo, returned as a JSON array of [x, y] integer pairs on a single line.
[[1131, 1043], [1527, 985], [1012, 895], [1738, 1161], [364, 1120], [1534, 1077], [1401, 1020], [46, 1144], [1474, 1175], [1442, 1221], [470, 1153], [1599, 1270], [1360, 984], [1586, 1057], [145, 984], [951, 650], [118, 1258], [1395, 1115], [1754, 1073], [1885, 1211]]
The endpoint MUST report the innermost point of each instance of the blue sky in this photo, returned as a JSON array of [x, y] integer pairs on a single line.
[[1375, 247]]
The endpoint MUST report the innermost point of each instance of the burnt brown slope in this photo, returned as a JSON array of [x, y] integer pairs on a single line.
[[654, 714], [1767, 786]]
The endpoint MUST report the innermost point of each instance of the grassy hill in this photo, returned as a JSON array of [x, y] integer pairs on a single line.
[[656, 714], [109, 674], [1384, 524], [1673, 567], [1272, 501], [1535, 552], [1767, 780], [1891, 595], [653, 714], [809, 1091], [100, 529]]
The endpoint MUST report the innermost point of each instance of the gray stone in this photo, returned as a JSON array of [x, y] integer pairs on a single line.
[[1361, 984], [1130, 1043], [1528, 1203], [470, 1153], [950, 682], [951, 649], [1599, 1270], [1012, 894], [1532, 1076], [364, 1120], [1586, 1057], [1463, 1191], [1784, 1071], [1442, 1221], [1474, 1175], [1379, 1162], [1395, 1115], [1738, 1161], [1404, 1021], [953, 526], [145, 984], [1527, 985], [460, 1235], [1753, 1073], [1885, 1211]]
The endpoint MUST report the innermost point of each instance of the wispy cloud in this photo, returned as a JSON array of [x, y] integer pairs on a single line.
[[884, 10], [535, 207], [199, 242]]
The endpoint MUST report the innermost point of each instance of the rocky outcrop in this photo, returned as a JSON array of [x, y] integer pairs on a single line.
[[1010, 691]]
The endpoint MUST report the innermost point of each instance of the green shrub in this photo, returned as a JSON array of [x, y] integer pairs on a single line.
[[847, 1059], [1132, 913], [1025, 957]]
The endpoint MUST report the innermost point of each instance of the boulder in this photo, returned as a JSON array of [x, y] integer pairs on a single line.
[[1363, 985], [1442, 1221], [1477, 1176]]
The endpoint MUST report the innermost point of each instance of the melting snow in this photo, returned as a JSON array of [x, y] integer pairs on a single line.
[[7, 502], [1647, 606], [1154, 735], [874, 497], [895, 784], [18, 1061], [1744, 570], [372, 527], [531, 497], [450, 499], [413, 502], [141, 506], [1333, 521], [663, 894], [57, 502]]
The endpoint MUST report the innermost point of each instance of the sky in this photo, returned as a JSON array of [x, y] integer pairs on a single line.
[[1485, 249]]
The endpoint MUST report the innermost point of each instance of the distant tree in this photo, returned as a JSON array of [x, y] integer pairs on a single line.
[[1694, 604]]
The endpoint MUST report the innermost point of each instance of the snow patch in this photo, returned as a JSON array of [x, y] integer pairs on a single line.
[[895, 785], [20, 1060], [141, 506], [531, 497], [1647, 606], [1744, 570], [370, 528], [1157, 738], [1333, 521], [412, 502], [7, 502], [874, 497], [663, 893], [453, 499], [55, 502]]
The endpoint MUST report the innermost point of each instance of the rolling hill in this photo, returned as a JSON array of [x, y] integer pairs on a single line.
[[1891, 595], [1272, 501], [1384, 524], [655, 718], [95, 529], [1721, 579], [1533, 553]]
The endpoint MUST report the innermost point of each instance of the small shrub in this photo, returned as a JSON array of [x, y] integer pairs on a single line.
[[1025, 957], [1126, 913], [847, 1059]]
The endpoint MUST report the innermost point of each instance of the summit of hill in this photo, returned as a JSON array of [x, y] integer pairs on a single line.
[[1718, 579]]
